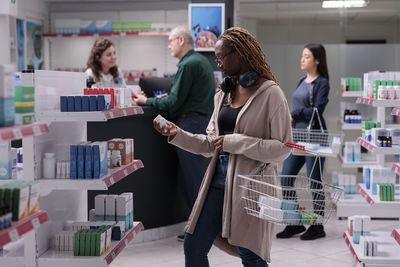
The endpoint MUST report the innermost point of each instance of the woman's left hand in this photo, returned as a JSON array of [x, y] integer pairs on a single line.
[[219, 144]]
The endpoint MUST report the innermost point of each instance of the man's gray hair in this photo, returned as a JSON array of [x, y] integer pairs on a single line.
[[184, 31]]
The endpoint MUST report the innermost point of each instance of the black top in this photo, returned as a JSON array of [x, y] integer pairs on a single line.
[[227, 118]]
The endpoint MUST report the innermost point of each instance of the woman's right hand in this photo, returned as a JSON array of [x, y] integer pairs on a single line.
[[170, 130], [292, 122]]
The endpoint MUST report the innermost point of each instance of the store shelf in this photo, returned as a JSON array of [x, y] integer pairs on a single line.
[[378, 150], [20, 228], [354, 164], [21, 131], [114, 175], [69, 35], [378, 103], [352, 94], [349, 126], [396, 111], [51, 116], [388, 250], [53, 258], [373, 199]]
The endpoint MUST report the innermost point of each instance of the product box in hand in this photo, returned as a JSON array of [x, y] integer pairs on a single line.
[[7, 94]]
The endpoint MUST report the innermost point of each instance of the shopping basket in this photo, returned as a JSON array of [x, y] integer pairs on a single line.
[[321, 142], [289, 199]]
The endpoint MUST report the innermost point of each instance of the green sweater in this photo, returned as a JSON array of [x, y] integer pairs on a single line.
[[192, 90]]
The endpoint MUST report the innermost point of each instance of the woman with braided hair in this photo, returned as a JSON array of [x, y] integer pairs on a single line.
[[246, 134]]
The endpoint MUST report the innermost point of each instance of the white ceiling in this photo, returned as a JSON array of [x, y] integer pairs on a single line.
[[311, 11]]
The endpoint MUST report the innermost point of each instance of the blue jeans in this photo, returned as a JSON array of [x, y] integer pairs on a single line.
[[209, 226], [292, 166], [191, 167]]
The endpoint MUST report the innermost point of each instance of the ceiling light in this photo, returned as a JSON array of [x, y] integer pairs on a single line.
[[344, 4]]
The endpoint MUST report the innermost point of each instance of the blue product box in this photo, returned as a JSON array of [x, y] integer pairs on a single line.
[[81, 161], [103, 26], [72, 161], [85, 103], [7, 111], [88, 162], [103, 158], [291, 217], [289, 205], [366, 177], [356, 237], [93, 103], [87, 26], [96, 161], [63, 104], [374, 188], [101, 104], [78, 103], [71, 103]]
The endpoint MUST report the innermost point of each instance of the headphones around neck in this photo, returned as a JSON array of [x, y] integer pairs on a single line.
[[246, 80]]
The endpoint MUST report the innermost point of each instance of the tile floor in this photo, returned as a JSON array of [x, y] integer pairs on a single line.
[[330, 251]]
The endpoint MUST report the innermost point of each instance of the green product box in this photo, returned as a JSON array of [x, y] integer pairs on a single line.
[[82, 242], [390, 83], [378, 124], [375, 88], [7, 197], [93, 237], [101, 241], [20, 201], [383, 83], [88, 242], [24, 102], [351, 84], [395, 82], [76, 243], [393, 191]]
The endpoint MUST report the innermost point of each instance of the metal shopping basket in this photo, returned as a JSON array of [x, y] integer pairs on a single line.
[[321, 142]]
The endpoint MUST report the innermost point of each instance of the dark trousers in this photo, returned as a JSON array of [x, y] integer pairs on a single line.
[[292, 166], [191, 167], [209, 226]]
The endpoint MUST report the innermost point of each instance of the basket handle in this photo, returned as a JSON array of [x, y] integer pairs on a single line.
[[315, 110], [293, 145]]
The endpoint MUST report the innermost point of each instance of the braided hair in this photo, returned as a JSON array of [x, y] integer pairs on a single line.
[[250, 52]]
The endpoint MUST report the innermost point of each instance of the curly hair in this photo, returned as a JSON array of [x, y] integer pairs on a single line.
[[250, 52], [97, 51]]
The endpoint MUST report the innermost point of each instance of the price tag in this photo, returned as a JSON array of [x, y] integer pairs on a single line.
[[125, 172], [134, 167], [111, 115], [13, 235], [396, 169], [36, 223], [124, 111], [17, 133], [135, 111], [36, 130], [113, 255], [126, 241], [112, 180]]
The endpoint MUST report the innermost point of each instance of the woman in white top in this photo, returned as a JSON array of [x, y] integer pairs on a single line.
[[102, 65]]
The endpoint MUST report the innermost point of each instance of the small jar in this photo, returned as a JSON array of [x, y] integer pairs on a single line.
[[49, 166], [116, 159]]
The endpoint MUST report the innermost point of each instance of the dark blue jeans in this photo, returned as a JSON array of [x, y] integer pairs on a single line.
[[209, 226], [191, 167], [292, 166]]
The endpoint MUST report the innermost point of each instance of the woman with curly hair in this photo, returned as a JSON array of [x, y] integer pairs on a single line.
[[102, 65]]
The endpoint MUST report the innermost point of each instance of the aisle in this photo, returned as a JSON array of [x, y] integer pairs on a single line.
[[330, 251]]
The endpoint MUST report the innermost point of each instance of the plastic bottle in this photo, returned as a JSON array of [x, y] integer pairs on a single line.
[[116, 159], [49, 166]]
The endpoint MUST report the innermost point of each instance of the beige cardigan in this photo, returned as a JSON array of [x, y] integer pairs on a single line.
[[261, 131]]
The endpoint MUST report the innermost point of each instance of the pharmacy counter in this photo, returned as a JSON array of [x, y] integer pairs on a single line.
[[157, 199]]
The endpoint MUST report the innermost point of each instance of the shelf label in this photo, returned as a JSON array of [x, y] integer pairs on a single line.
[[396, 169], [13, 235], [125, 172], [17, 133], [112, 180], [134, 167], [124, 111], [36, 223], [135, 111], [126, 241], [36, 130], [113, 255]]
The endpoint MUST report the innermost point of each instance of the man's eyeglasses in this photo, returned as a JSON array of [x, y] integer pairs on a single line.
[[218, 60]]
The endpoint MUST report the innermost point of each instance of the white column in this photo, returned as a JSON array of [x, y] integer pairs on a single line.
[[5, 39]]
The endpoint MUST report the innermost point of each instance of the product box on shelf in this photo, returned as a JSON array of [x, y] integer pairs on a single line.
[[110, 207], [25, 99], [87, 26], [103, 26], [7, 94], [5, 160]]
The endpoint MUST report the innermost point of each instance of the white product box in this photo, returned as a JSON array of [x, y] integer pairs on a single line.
[[110, 207], [100, 207]]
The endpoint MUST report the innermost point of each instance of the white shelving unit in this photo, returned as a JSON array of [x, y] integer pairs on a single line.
[[53, 258], [355, 164], [114, 34], [352, 94], [373, 199], [349, 126], [64, 199], [388, 251]]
